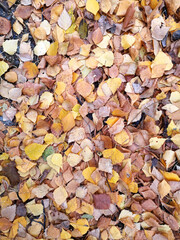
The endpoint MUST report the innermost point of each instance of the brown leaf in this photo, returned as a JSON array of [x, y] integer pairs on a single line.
[[129, 16], [23, 12], [149, 205], [5, 224], [101, 201], [5, 26]]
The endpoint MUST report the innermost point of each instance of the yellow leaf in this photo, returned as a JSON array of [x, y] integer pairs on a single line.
[[133, 187], [154, 3], [49, 138], [156, 143], [31, 69], [52, 51], [10, 46], [169, 176], [115, 233], [14, 229], [122, 138], [82, 225], [24, 192], [115, 177], [114, 154], [4, 156], [111, 121], [87, 208], [172, 128], [169, 157], [23, 165], [163, 188], [176, 139], [73, 159], [35, 209], [68, 122], [55, 161], [60, 88], [46, 100], [71, 205], [3, 67], [11, 2], [161, 96], [87, 173], [5, 202], [162, 59], [65, 234], [34, 151], [92, 6], [86, 154], [114, 84], [127, 41], [60, 195]]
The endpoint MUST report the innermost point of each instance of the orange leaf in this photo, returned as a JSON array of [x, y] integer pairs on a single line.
[[31, 69]]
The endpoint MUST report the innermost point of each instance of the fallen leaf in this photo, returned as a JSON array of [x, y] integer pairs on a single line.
[[31, 70], [156, 143], [24, 192], [164, 188], [115, 233], [3, 67], [5, 26], [34, 151], [114, 154], [83, 29], [73, 159], [10, 46], [92, 6], [60, 195], [64, 20], [82, 225], [101, 201]]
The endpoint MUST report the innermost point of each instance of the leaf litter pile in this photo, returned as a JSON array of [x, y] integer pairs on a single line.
[[90, 119]]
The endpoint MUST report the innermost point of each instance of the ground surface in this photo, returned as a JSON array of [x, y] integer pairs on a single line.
[[90, 119]]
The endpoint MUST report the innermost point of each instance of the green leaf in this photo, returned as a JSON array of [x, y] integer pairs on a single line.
[[87, 216], [48, 151], [83, 29]]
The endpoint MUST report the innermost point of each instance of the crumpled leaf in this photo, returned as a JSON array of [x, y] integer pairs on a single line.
[[34, 151]]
